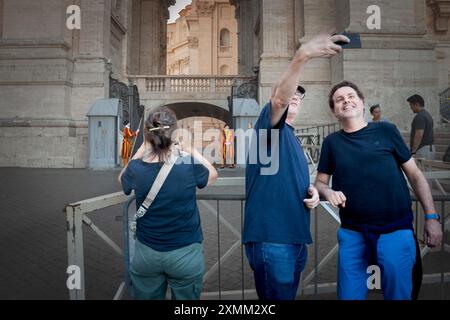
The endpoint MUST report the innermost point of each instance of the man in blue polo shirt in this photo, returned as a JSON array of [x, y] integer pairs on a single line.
[[276, 226], [367, 162]]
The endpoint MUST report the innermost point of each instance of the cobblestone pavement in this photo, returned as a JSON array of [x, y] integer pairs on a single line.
[[33, 241]]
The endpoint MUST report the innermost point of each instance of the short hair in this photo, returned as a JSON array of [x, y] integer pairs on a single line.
[[415, 98], [342, 84], [125, 122], [372, 108]]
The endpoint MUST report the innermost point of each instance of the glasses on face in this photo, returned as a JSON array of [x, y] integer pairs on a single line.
[[300, 95]]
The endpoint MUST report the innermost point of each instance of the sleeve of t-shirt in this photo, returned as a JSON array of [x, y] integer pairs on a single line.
[[401, 151], [128, 177], [326, 162], [420, 122], [265, 119], [201, 175]]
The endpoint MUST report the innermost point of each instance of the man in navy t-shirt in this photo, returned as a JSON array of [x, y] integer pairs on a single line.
[[367, 162], [278, 192]]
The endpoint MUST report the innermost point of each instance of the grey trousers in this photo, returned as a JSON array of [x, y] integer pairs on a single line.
[[426, 153]]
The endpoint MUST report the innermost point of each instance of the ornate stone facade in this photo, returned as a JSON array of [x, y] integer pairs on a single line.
[[50, 75], [206, 34]]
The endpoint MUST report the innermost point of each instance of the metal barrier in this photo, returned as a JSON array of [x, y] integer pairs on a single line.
[[76, 216], [320, 132], [441, 277], [311, 139]]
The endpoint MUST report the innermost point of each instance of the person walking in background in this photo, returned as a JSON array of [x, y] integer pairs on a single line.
[[422, 136], [375, 111]]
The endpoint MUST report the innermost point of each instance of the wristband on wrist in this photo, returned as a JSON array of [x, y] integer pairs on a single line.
[[430, 216]]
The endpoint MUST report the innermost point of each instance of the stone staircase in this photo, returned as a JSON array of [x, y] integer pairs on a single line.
[[441, 139], [441, 142]]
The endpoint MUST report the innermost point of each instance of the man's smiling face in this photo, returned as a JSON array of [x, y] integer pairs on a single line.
[[347, 104]]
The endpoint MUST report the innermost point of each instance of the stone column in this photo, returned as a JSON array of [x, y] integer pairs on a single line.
[[194, 62], [92, 66], [135, 37], [276, 28], [207, 36], [127, 50], [149, 37], [311, 18], [92, 61], [163, 38], [299, 21], [36, 125], [244, 14]]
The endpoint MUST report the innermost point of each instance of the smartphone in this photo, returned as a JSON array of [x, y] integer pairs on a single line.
[[355, 41]]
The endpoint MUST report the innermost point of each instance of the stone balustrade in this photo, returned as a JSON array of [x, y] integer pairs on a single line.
[[187, 83]]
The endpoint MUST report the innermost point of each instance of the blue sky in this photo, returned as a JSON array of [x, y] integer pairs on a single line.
[[179, 5]]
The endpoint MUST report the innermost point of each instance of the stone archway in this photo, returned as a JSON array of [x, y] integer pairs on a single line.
[[201, 120], [198, 109]]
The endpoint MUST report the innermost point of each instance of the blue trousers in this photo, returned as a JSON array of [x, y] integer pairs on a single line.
[[182, 270], [396, 255], [277, 268]]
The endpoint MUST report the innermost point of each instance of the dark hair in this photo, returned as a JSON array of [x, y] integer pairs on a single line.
[[161, 139], [125, 122], [415, 98], [372, 108], [341, 85]]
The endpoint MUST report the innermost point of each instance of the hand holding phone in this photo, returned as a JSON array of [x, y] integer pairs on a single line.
[[355, 41]]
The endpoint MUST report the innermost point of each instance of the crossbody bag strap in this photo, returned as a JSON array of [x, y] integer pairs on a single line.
[[157, 184], [159, 181]]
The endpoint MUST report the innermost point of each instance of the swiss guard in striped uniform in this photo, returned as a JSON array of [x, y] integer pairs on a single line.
[[127, 144]]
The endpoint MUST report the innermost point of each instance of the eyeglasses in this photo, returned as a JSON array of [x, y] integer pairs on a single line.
[[300, 95]]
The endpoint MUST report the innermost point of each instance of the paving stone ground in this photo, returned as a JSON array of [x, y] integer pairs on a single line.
[[33, 241]]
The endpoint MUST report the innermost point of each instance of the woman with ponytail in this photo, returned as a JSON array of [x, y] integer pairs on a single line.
[[168, 250]]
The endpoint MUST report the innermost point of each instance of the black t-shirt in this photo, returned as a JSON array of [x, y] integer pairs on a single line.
[[422, 121], [365, 166]]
